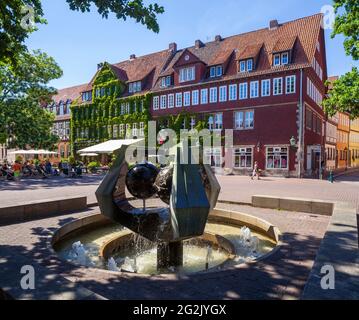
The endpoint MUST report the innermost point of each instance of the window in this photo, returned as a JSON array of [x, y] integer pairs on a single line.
[[195, 97], [254, 89], [61, 108], [187, 99], [242, 66], [211, 122], [187, 74], [277, 158], [285, 58], [277, 86], [166, 81], [243, 90], [163, 102], [193, 123], [233, 92], [280, 59], [223, 94], [290, 84], [266, 88], [142, 129], [122, 130], [218, 121], [214, 157], [309, 119], [134, 130], [204, 96], [216, 71], [171, 100], [87, 96], [156, 102], [243, 158], [213, 95], [276, 60], [127, 108], [249, 65], [178, 100], [128, 130], [246, 65], [133, 87], [244, 120]]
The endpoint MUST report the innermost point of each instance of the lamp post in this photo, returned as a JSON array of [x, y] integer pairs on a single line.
[[293, 142]]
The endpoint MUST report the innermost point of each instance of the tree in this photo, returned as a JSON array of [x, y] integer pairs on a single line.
[[17, 21], [22, 90], [343, 94], [347, 24]]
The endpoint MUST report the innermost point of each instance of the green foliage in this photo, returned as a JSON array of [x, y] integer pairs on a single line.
[[72, 160], [92, 166], [344, 96], [22, 88], [347, 24], [19, 159]]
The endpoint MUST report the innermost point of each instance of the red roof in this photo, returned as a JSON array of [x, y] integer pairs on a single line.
[[71, 93]]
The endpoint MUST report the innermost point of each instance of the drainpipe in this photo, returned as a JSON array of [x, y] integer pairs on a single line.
[[301, 125]]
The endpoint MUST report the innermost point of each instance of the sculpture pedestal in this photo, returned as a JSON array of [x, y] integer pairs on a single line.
[[169, 254]]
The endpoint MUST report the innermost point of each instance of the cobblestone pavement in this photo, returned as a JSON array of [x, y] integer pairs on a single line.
[[280, 276], [234, 188]]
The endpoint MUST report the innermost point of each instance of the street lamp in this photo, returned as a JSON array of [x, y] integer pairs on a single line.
[[258, 146], [293, 142]]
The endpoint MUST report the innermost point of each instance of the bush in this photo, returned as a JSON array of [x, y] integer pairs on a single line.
[[92, 166], [19, 159], [72, 160]]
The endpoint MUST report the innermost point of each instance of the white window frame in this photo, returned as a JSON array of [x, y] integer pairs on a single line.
[[277, 55], [242, 66], [245, 90], [213, 95], [212, 72], [280, 79], [254, 89], [192, 122], [195, 97], [204, 96], [289, 82], [171, 101], [266, 88], [284, 54], [232, 92], [249, 65], [156, 104], [222, 93], [280, 147], [239, 151], [163, 102], [219, 68], [187, 98], [142, 129], [187, 74], [179, 100]]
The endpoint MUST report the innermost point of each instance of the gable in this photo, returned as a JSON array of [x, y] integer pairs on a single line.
[[187, 58]]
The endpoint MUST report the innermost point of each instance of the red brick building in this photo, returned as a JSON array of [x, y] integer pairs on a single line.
[[267, 85]]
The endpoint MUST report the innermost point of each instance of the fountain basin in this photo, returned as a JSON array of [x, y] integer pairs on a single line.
[[104, 240]]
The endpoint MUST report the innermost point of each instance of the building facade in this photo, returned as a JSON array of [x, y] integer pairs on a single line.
[[354, 143], [343, 155], [265, 85]]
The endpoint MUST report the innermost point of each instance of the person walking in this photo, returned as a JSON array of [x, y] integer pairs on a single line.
[[255, 171]]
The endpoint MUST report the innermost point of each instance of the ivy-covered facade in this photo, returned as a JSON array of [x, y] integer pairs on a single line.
[[108, 115]]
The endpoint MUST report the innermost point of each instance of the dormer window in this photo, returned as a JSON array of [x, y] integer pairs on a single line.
[[246, 65], [216, 71], [87, 96], [280, 59], [187, 74], [134, 87], [166, 81]]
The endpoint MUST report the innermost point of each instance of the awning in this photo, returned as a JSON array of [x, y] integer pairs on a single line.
[[109, 146], [89, 154], [32, 152]]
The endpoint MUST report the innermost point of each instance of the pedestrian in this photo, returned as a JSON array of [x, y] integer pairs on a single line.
[[17, 170], [255, 172]]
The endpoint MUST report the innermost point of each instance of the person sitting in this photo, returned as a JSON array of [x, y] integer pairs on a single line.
[[48, 167]]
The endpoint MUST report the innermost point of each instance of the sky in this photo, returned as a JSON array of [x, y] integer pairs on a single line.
[[79, 41]]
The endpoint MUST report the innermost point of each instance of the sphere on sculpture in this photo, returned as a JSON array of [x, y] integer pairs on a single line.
[[140, 180]]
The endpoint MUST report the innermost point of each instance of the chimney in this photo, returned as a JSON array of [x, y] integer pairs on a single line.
[[99, 65], [173, 47], [132, 57], [218, 38], [273, 24], [199, 44]]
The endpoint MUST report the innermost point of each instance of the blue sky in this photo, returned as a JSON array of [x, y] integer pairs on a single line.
[[79, 41]]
